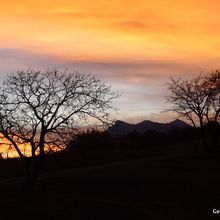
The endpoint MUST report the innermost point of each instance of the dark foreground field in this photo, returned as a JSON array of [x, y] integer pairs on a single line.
[[168, 187]]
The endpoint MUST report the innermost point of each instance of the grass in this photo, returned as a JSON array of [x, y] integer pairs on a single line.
[[160, 187]]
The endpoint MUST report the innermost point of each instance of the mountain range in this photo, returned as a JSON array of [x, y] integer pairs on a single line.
[[123, 128]]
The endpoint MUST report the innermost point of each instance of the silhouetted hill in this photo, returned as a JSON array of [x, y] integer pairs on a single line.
[[123, 128], [178, 124]]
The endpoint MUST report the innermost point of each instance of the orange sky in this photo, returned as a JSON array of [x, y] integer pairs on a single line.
[[134, 45]]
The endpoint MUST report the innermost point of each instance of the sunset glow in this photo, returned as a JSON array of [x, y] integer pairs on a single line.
[[8, 151], [133, 45]]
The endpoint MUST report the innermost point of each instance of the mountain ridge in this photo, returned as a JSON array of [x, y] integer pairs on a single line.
[[123, 128]]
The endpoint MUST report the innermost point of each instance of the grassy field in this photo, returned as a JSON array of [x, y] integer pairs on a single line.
[[166, 187]]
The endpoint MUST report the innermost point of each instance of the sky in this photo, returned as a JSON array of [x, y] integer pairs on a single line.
[[135, 46]]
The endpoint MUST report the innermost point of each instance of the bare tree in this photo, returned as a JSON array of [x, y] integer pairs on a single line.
[[189, 99], [197, 99], [42, 110], [212, 85]]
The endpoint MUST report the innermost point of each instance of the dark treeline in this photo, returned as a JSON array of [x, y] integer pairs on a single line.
[[96, 147], [99, 147]]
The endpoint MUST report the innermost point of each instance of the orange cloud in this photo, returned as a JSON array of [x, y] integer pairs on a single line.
[[131, 43], [120, 29]]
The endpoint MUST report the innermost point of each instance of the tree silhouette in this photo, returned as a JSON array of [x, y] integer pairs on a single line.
[[189, 99], [42, 110], [197, 100]]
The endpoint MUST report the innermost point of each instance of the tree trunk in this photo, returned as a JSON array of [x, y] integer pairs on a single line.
[[203, 134], [32, 172], [214, 135]]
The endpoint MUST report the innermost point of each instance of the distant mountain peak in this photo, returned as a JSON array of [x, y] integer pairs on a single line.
[[179, 123], [145, 122], [123, 128], [120, 122]]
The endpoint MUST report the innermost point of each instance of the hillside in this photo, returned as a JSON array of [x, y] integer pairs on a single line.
[[168, 187]]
